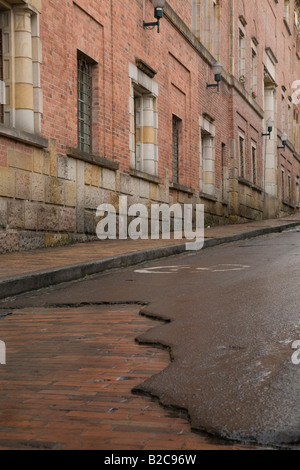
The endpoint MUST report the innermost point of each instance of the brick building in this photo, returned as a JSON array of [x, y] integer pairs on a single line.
[[94, 106]]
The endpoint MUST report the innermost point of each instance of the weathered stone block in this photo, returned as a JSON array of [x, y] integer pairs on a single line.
[[7, 182], [90, 222], [114, 201], [66, 168], [67, 219], [70, 193], [31, 240], [41, 161], [108, 179], [153, 192], [23, 185], [18, 159], [92, 175], [144, 190], [126, 184], [56, 239], [234, 203], [162, 194], [15, 214], [37, 187], [9, 242], [30, 215], [53, 157], [54, 193], [48, 218], [93, 197]]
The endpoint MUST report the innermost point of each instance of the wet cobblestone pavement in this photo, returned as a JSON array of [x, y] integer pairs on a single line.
[[68, 379]]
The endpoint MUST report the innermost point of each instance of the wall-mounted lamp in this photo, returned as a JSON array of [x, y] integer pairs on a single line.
[[159, 6], [270, 124], [284, 139], [217, 70]]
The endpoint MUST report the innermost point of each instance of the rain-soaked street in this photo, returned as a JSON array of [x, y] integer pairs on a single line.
[[229, 318]]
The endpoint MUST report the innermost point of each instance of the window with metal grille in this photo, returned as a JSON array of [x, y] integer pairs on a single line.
[[176, 123], [254, 172], [223, 155], [84, 103], [1, 77], [282, 184], [289, 188], [242, 156]]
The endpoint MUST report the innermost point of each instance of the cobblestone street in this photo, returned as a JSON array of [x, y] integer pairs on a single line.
[[68, 379]]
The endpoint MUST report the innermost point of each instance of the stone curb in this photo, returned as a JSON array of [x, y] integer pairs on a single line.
[[30, 282]]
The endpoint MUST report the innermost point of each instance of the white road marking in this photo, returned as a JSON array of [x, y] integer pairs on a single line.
[[157, 270], [220, 268], [175, 269]]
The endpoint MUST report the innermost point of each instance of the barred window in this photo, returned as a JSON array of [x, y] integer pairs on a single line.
[[242, 156], [282, 184], [176, 124], [254, 165], [84, 103], [1, 79]]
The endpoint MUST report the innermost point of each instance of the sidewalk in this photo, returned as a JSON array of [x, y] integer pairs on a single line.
[[25, 271]]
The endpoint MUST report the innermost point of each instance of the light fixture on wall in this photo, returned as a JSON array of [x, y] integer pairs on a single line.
[[284, 138], [270, 125], [217, 70], [159, 6]]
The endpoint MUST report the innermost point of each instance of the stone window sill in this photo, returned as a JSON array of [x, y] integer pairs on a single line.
[[24, 137], [145, 176], [209, 197], [94, 159], [180, 187], [250, 184], [290, 204]]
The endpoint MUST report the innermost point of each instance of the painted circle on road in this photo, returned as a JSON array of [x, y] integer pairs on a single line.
[[175, 269], [161, 270], [221, 268]]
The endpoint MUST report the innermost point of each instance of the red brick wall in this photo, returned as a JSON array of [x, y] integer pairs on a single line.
[[111, 33]]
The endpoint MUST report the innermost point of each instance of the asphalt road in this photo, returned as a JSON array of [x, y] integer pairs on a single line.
[[232, 315]]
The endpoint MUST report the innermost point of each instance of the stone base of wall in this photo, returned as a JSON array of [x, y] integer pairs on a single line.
[[50, 199], [14, 240]]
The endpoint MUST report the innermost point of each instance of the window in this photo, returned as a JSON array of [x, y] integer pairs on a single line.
[[207, 156], [254, 70], [20, 60], [282, 113], [84, 103], [242, 155], [197, 18], [289, 130], [282, 184], [216, 29], [2, 100], [143, 136], [289, 187], [176, 128], [295, 130], [242, 71], [144, 133], [254, 164], [287, 13], [223, 156], [206, 24]]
